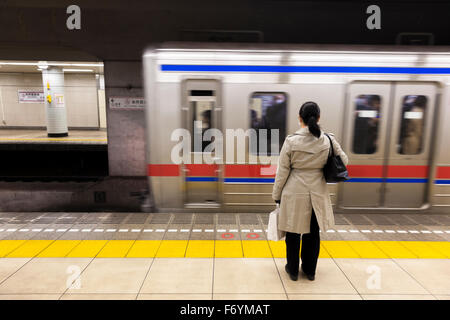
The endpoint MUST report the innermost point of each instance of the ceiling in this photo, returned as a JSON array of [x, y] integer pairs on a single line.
[[32, 66]]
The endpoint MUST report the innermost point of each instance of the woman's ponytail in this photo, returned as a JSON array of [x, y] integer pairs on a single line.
[[313, 127], [310, 113]]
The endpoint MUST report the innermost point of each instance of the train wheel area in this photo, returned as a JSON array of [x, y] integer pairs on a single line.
[[217, 256]]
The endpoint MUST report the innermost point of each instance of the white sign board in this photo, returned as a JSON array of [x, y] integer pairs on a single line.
[[367, 114], [126, 102], [413, 115], [28, 96]]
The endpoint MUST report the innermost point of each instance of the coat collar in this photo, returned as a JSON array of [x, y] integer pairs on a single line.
[[303, 131]]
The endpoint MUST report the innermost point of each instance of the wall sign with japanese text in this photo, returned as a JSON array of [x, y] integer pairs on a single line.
[[31, 96], [126, 102]]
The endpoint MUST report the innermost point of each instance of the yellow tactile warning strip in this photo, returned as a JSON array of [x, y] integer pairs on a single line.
[[217, 248]]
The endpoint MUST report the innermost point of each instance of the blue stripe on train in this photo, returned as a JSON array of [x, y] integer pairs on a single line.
[[272, 180], [303, 69], [263, 180], [373, 180], [202, 179], [389, 180], [442, 181]]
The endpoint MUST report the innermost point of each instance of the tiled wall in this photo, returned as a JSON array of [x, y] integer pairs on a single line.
[[80, 93]]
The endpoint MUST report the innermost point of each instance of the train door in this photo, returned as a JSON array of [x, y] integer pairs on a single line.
[[408, 151], [387, 138], [202, 113], [365, 136]]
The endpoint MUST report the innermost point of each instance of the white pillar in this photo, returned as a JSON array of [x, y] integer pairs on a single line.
[[56, 114]]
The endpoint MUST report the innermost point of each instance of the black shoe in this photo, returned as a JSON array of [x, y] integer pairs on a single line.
[[293, 277], [310, 277]]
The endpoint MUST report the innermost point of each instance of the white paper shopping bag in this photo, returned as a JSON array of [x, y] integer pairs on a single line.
[[273, 233]]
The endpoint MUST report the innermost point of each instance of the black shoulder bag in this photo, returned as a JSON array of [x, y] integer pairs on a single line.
[[334, 170]]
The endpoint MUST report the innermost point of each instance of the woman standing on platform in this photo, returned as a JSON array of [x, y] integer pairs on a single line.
[[301, 190]]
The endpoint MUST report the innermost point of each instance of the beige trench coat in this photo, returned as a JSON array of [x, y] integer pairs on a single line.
[[300, 184]]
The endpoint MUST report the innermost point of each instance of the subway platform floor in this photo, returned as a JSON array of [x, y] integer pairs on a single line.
[[217, 256], [38, 136]]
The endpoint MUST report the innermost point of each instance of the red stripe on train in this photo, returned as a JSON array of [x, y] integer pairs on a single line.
[[250, 170], [163, 170], [407, 172], [260, 171], [365, 171], [443, 173], [173, 170], [202, 170]]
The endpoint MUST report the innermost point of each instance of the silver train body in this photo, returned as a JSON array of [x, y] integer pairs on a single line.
[[388, 107]]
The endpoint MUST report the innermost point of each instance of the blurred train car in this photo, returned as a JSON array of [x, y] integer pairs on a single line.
[[388, 106]]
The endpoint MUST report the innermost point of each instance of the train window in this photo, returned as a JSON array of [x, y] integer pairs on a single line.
[[201, 121], [412, 124], [201, 93], [268, 110], [366, 125]]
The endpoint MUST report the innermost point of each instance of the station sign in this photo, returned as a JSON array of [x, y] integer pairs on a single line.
[[126, 102], [31, 96]]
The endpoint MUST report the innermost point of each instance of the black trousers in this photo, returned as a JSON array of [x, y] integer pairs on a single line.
[[310, 249]]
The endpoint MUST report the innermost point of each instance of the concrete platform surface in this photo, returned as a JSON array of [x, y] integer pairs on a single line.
[[221, 279], [8, 136], [135, 255]]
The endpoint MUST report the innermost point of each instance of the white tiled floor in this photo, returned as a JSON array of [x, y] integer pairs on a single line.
[[179, 275], [43, 275], [251, 275], [221, 279], [119, 276], [432, 274], [329, 280], [379, 276]]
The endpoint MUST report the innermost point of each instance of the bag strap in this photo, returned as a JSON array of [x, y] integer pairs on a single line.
[[331, 146]]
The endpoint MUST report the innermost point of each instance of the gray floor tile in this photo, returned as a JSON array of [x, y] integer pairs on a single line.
[[348, 235], [380, 219], [227, 218], [154, 234], [137, 218], [183, 218], [174, 232], [442, 219], [402, 220], [128, 232], [52, 235], [422, 219], [264, 218], [338, 219], [160, 218], [330, 236], [10, 235], [246, 218], [250, 235], [80, 234], [204, 218], [227, 234], [202, 235], [357, 219], [21, 235]]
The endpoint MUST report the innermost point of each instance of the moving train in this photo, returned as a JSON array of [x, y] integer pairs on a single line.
[[389, 107]]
